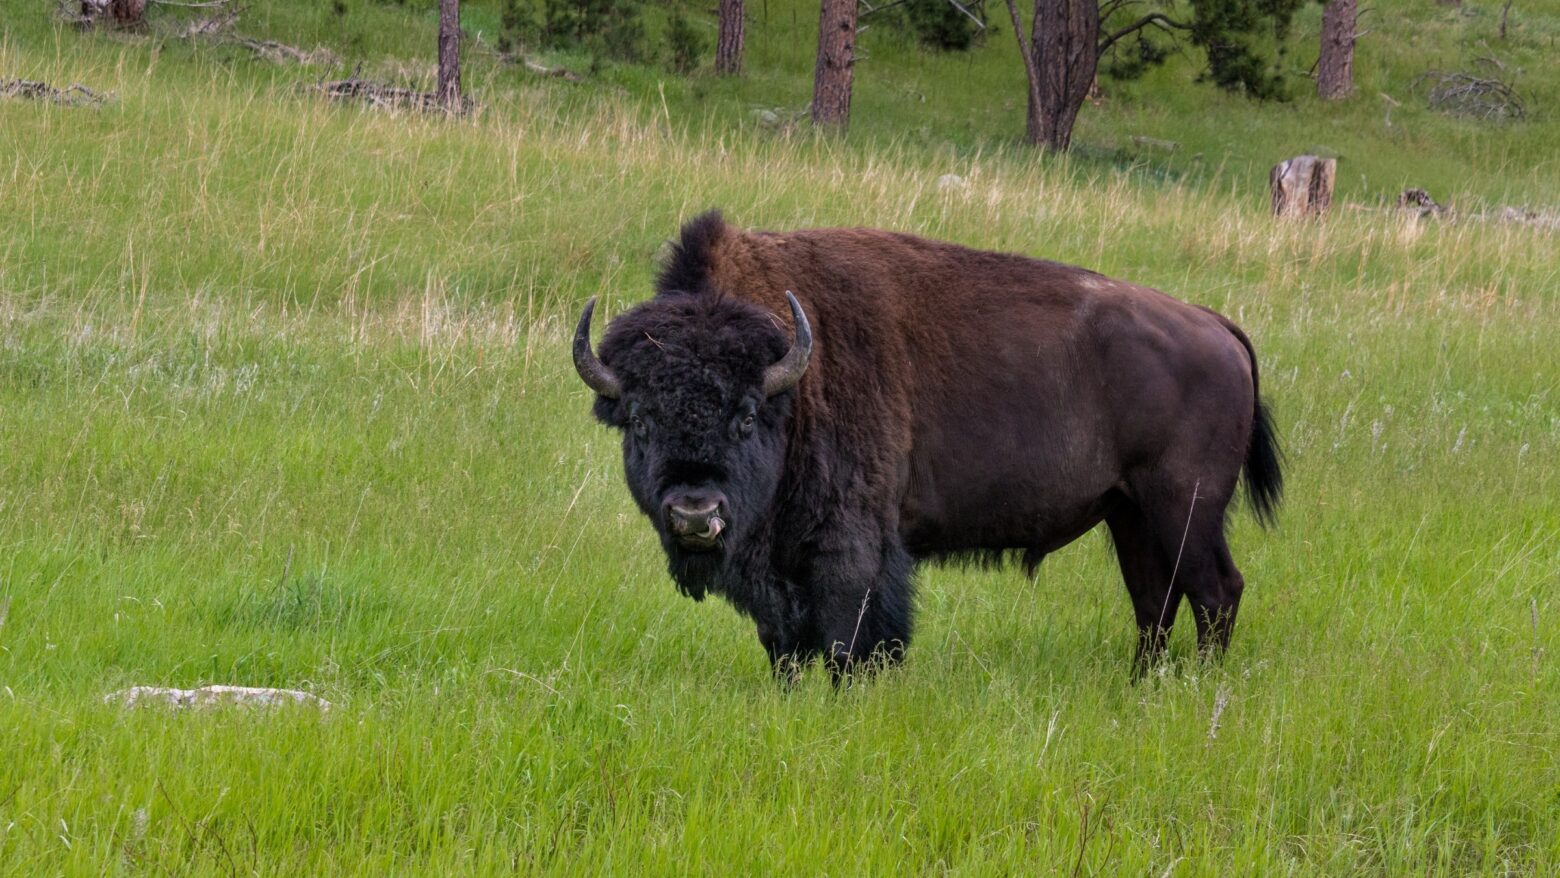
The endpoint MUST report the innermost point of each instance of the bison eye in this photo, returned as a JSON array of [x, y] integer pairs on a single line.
[[637, 424], [746, 424]]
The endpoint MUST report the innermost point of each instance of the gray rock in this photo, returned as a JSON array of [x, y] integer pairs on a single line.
[[1155, 144]]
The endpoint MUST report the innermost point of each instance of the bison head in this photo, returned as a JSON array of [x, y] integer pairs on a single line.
[[699, 387]]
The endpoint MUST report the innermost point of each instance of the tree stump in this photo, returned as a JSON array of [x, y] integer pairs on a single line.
[[127, 12], [1303, 185]]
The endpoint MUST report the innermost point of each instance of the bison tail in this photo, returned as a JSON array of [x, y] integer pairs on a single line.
[[1264, 459], [1264, 475]]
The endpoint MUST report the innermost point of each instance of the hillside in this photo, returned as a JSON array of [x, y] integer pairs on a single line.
[[964, 104]]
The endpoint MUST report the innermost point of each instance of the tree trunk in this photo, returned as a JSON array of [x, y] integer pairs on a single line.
[[448, 92], [1303, 185], [127, 11], [836, 63], [728, 46], [1064, 40], [1335, 67]]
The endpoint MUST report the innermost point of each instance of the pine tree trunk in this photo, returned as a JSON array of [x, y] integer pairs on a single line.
[[1064, 40], [448, 92], [1335, 67], [836, 63], [728, 46]]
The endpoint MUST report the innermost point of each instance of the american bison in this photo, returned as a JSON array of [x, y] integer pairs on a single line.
[[936, 402]]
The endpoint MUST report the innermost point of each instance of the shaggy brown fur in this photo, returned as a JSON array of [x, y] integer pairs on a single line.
[[958, 403]]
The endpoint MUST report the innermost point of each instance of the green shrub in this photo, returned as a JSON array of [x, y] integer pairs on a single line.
[[612, 28], [517, 26], [683, 42], [938, 24]]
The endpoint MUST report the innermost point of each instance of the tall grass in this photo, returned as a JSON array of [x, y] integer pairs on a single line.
[[285, 400]]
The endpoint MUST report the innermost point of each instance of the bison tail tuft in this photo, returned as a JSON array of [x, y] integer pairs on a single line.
[[1264, 473], [1264, 459]]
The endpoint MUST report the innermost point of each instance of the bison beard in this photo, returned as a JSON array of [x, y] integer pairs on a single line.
[[919, 400]]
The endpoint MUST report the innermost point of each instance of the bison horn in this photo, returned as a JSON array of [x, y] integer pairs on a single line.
[[783, 375], [592, 371]]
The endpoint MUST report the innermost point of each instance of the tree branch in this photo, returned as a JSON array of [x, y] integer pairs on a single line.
[[1157, 19], [1029, 58], [1111, 7], [968, 14], [882, 8]]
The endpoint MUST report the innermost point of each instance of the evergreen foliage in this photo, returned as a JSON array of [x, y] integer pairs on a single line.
[[1241, 41], [684, 43], [938, 24]]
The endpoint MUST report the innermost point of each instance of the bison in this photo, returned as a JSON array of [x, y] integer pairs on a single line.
[[807, 415]]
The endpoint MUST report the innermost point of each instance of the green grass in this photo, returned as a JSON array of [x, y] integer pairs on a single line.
[[952, 107], [285, 400]]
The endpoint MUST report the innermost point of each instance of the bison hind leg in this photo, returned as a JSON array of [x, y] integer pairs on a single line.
[[1217, 598], [1171, 545], [1155, 599], [1191, 537]]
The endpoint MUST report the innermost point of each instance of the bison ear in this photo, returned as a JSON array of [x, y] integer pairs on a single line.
[[607, 411], [784, 374]]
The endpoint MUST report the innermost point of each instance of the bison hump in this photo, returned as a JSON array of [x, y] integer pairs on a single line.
[[688, 265]]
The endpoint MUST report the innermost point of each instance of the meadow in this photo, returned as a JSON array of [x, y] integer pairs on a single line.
[[285, 400]]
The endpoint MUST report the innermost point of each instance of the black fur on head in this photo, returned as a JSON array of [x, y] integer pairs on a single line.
[[695, 421]]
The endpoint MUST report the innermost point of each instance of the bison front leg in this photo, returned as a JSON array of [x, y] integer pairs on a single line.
[[862, 611], [782, 622], [786, 657]]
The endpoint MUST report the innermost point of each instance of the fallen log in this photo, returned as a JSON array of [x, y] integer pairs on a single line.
[[544, 70], [281, 53], [74, 95], [384, 97]]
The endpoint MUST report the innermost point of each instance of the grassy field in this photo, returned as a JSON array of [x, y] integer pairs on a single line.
[[957, 107], [285, 400]]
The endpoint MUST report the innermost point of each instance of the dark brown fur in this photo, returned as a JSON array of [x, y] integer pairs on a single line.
[[965, 403]]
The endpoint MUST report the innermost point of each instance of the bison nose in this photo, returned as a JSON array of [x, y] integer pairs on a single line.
[[696, 516]]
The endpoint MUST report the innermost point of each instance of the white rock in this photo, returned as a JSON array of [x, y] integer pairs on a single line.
[[950, 181], [213, 696]]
